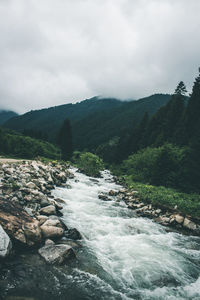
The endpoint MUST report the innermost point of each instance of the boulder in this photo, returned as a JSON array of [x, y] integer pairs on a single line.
[[163, 220], [189, 224], [42, 219], [179, 219], [5, 243], [32, 233], [51, 231], [48, 210], [18, 224], [44, 203], [49, 242], [53, 222], [58, 206], [73, 234], [56, 254], [31, 185], [113, 193], [59, 200], [104, 197]]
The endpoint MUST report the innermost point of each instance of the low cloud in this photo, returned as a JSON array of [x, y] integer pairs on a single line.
[[55, 52]]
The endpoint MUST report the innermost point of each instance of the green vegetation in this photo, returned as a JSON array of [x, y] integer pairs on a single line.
[[89, 163], [164, 150], [94, 121], [166, 197], [64, 140], [16, 145], [158, 166], [5, 115], [154, 141]]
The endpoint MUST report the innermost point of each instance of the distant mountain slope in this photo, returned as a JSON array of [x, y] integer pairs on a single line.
[[5, 115], [94, 121], [98, 128], [50, 119]]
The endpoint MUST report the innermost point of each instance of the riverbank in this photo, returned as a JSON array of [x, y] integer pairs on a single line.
[[117, 249], [164, 205], [29, 214]]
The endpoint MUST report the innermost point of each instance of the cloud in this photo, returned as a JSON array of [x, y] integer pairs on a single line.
[[55, 52]]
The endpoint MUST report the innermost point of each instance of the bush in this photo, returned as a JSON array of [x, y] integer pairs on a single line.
[[157, 166], [90, 164], [14, 144], [167, 197]]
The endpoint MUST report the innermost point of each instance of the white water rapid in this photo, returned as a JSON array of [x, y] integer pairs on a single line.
[[124, 256]]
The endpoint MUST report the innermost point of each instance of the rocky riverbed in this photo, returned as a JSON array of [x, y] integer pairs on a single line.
[[29, 214], [168, 217], [39, 254]]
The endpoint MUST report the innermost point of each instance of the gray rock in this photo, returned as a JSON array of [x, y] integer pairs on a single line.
[[179, 219], [73, 234], [53, 222], [29, 211], [60, 200], [5, 243], [44, 203], [49, 242], [48, 210], [31, 185], [113, 193], [56, 254], [52, 231], [42, 219], [189, 224], [104, 197]]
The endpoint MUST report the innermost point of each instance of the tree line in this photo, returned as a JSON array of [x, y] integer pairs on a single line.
[[165, 146]]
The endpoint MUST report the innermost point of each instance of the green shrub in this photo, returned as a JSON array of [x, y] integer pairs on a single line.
[[90, 164], [157, 166], [168, 197], [14, 144]]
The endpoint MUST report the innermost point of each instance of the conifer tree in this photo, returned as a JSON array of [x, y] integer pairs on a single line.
[[64, 140], [181, 89], [192, 116]]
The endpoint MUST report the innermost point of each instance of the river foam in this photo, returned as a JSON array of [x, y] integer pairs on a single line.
[[128, 257]]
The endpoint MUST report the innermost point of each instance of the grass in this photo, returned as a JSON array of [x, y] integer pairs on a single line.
[[187, 204]]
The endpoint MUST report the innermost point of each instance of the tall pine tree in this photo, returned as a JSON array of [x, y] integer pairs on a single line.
[[192, 115], [64, 140]]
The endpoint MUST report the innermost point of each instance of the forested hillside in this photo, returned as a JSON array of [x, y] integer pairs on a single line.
[[5, 115], [94, 121], [164, 149], [16, 145], [48, 121], [102, 126]]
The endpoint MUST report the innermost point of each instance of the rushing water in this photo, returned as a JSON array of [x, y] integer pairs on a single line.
[[124, 256]]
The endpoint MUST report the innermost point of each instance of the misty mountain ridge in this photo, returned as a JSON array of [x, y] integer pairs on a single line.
[[5, 115], [94, 121]]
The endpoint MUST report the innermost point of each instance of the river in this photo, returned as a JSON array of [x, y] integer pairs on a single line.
[[124, 256]]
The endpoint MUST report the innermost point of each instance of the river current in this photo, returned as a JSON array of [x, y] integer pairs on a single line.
[[124, 256]]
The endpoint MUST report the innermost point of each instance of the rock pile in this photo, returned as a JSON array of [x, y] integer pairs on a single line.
[[160, 214], [29, 214]]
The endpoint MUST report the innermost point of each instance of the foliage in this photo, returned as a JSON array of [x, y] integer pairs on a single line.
[[18, 145], [90, 164], [94, 121], [158, 166], [64, 140], [167, 197], [6, 115], [181, 89]]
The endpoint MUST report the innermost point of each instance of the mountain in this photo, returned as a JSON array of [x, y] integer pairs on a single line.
[[5, 115], [100, 127], [94, 121], [50, 119]]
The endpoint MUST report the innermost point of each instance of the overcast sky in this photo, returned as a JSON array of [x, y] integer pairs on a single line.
[[58, 51]]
